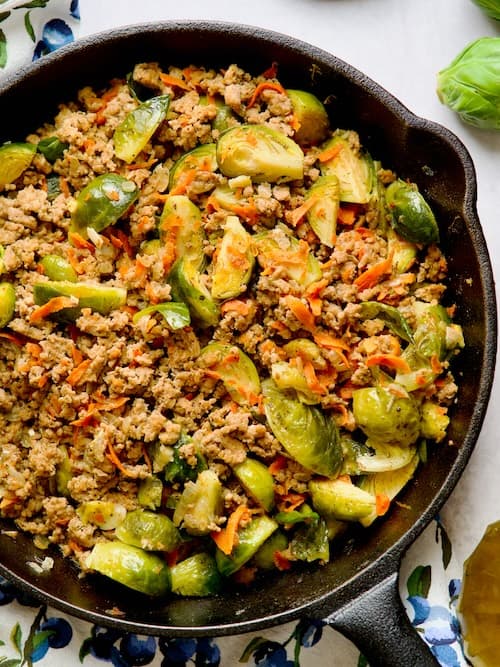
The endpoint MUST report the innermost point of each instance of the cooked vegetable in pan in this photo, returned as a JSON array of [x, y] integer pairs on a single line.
[[225, 334]]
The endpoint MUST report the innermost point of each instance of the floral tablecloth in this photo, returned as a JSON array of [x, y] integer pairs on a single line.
[[32, 633]]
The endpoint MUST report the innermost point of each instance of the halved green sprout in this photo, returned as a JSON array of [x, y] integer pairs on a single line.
[[150, 493], [175, 314], [202, 158], [99, 298], [149, 531], [181, 226], [56, 267], [138, 126], [264, 557], [7, 303], [288, 377], [102, 203], [434, 422], [15, 158], [307, 434], [412, 217], [404, 252], [133, 567], [234, 262], [234, 368], [200, 504], [391, 317], [385, 417], [257, 481], [341, 500], [322, 214], [311, 542], [382, 457], [250, 539], [311, 117], [354, 169], [188, 285], [261, 152], [388, 483], [196, 575], [105, 514], [292, 256]]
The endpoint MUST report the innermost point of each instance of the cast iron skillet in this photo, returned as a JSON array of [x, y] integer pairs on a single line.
[[358, 592]]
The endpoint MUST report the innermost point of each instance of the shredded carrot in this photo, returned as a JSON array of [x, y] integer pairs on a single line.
[[301, 311], [76, 375], [100, 119], [88, 145], [290, 501], [143, 165], [312, 380], [79, 242], [226, 538], [281, 561], [174, 81], [271, 72], [278, 464], [13, 338], [6, 503], [436, 365], [99, 405], [52, 306], [382, 503], [235, 305], [63, 184], [347, 215], [393, 361], [343, 418], [113, 457], [312, 295], [330, 342], [298, 213], [73, 260], [374, 274], [125, 242], [329, 153], [185, 181], [265, 85]]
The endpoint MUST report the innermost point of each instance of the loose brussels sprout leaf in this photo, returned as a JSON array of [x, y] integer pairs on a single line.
[[260, 152], [322, 214], [434, 421], [383, 458], [310, 542], [264, 557], [201, 158], [307, 434], [292, 256], [390, 315], [404, 253], [150, 493], [56, 267], [469, 84], [386, 418], [133, 567], [411, 216], [236, 370], [430, 333], [234, 263], [7, 303], [352, 453], [388, 484], [200, 504], [175, 314], [490, 7], [149, 531], [180, 226], [354, 170], [51, 148], [196, 576], [100, 298], [188, 286], [105, 514], [250, 539], [311, 117], [288, 377], [15, 158], [138, 126], [257, 481], [102, 203], [178, 469], [301, 515], [341, 500]]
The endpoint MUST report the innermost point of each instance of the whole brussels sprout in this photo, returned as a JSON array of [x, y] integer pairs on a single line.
[[470, 85], [490, 7]]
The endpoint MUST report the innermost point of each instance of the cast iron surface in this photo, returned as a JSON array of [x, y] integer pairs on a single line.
[[361, 583]]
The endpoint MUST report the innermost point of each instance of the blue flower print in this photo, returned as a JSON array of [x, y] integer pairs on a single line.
[[421, 608], [74, 9], [56, 33], [138, 650], [60, 630]]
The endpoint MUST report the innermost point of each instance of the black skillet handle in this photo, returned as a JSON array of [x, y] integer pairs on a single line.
[[377, 623]]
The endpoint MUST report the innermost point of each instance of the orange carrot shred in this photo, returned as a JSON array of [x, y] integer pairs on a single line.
[[174, 81], [312, 381], [236, 306], [79, 242], [393, 361], [330, 342], [265, 85], [281, 561], [329, 153], [113, 457], [298, 213], [278, 464], [271, 72], [76, 375], [53, 305], [382, 503], [226, 538], [301, 311], [374, 274]]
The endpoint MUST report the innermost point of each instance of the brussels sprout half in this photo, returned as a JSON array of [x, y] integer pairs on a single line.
[[138, 126], [149, 531], [15, 158], [322, 214], [261, 152], [411, 216], [100, 298], [180, 226], [234, 262], [310, 114], [201, 158], [7, 303]]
